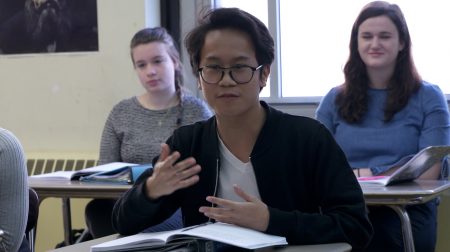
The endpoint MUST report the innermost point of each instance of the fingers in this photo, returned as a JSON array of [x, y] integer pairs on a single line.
[[166, 157], [251, 213], [170, 174], [219, 214], [165, 151], [243, 194]]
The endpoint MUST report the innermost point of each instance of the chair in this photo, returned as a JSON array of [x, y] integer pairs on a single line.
[[33, 213]]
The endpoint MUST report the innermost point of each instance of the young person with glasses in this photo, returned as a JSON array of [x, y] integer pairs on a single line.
[[249, 165]]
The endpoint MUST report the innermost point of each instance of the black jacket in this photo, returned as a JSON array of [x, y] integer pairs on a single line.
[[301, 173]]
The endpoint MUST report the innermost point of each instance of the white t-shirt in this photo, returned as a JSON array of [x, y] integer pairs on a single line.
[[234, 171]]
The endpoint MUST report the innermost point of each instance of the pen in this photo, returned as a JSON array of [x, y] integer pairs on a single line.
[[196, 226]]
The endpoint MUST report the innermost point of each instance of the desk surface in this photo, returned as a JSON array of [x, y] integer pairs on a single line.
[[75, 189], [415, 192], [331, 247], [409, 193]]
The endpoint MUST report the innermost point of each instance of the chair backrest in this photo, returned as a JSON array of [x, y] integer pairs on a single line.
[[33, 214]]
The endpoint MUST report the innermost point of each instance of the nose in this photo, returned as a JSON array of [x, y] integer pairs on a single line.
[[150, 70], [375, 42], [226, 79]]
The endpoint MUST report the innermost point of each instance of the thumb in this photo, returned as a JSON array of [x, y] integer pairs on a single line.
[[165, 151], [243, 194]]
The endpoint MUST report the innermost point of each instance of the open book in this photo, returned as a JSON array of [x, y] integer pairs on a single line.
[[118, 172], [413, 168], [221, 232]]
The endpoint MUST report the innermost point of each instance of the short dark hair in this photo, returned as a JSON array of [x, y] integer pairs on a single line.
[[160, 34], [233, 18], [352, 99]]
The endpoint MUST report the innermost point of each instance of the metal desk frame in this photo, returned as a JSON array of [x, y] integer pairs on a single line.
[[401, 195], [65, 190]]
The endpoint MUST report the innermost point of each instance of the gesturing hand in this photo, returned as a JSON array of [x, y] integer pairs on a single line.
[[252, 213], [170, 175]]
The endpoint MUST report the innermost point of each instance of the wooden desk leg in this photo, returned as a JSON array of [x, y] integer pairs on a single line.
[[67, 222], [408, 239]]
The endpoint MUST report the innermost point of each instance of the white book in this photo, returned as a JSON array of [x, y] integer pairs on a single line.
[[220, 232], [74, 175], [413, 168]]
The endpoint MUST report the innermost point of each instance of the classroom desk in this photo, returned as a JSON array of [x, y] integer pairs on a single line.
[[331, 247], [399, 196], [46, 188]]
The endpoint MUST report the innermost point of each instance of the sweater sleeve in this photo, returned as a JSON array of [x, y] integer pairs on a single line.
[[436, 121], [326, 111], [110, 143], [13, 191]]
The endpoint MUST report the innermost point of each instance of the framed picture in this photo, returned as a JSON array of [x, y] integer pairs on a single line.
[[48, 26]]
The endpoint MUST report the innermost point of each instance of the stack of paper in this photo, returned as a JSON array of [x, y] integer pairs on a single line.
[[75, 175]]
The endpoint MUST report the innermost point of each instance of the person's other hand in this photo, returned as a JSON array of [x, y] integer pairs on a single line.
[[252, 213], [170, 175]]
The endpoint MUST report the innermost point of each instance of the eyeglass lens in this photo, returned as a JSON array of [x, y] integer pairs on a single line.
[[240, 75]]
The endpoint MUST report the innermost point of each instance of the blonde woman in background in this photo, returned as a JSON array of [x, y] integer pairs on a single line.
[[137, 126]]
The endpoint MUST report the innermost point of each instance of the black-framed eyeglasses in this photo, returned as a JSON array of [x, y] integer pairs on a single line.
[[241, 74]]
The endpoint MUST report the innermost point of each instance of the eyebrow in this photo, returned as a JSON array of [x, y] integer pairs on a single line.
[[215, 58], [382, 32]]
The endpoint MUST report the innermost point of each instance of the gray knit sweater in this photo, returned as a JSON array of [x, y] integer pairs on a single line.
[[13, 191], [134, 134]]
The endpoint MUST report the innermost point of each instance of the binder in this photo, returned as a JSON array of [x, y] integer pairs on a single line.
[[123, 175]]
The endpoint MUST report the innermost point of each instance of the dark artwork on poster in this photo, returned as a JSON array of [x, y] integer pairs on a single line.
[[48, 26]]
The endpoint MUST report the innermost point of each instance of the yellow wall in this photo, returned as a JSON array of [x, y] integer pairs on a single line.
[[443, 241], [59, 102], [50, 226]]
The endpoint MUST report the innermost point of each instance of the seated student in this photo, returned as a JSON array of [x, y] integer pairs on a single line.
[[13, 194], [383, 112], [137, 126], [250, 165]]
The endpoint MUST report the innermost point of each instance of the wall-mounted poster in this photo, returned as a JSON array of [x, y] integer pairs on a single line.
[[48, 26]]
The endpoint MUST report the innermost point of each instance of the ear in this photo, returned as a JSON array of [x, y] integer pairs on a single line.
[[176, 65], [265, 75], [199, 85], [402, 46]]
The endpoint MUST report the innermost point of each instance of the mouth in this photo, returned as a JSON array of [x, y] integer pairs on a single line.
[[376, 54], [227, 95], [152, 82]]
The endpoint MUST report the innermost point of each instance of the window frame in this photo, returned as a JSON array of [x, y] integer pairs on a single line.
[[273, 12]]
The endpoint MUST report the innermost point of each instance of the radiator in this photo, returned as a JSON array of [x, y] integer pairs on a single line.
[[46, 163]]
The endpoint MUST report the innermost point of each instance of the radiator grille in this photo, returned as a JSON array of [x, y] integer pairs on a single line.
[[41, 165]]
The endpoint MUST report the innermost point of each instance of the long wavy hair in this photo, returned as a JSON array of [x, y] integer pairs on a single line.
[[352, 100]]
